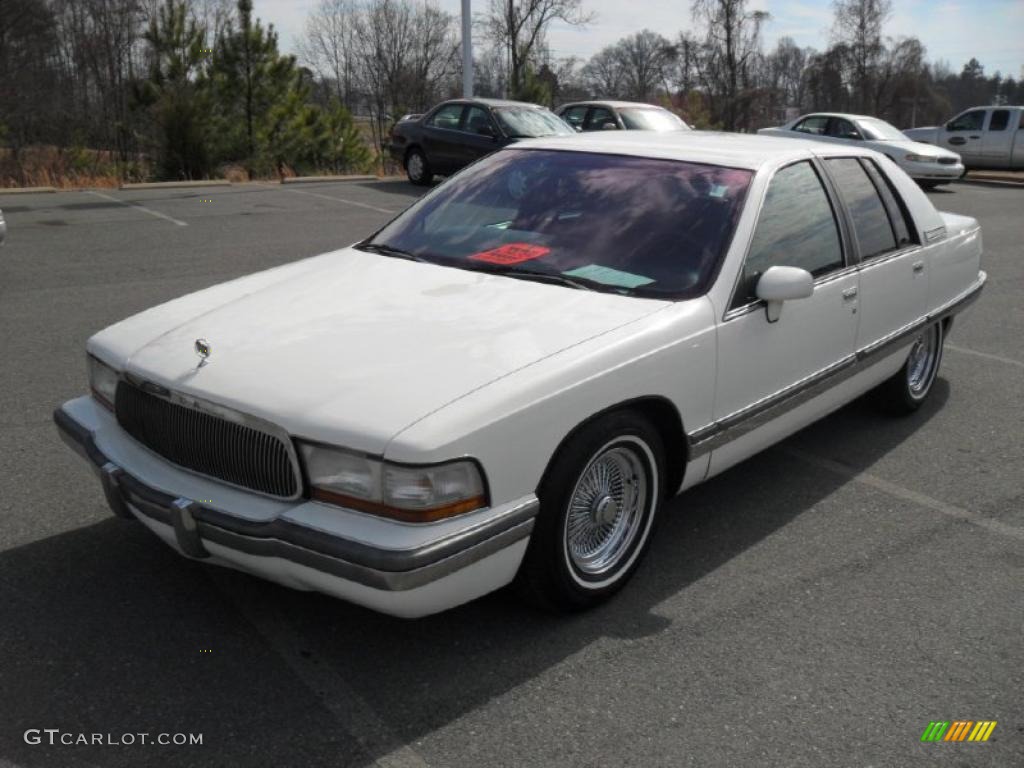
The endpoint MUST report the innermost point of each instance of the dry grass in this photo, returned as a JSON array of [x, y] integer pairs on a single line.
[[65, 168]]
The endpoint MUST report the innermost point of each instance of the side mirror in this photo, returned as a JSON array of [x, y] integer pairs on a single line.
[[779, 284]]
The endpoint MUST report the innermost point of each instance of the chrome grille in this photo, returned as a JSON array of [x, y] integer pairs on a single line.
[[207, 444], [947, 161]]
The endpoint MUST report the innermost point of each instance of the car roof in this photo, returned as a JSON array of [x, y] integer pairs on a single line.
[[612, 104], [733, 150], [843, 115], [494, 103]]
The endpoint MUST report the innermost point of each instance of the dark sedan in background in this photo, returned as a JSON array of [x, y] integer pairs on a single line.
[[620, 116], [455, 133]]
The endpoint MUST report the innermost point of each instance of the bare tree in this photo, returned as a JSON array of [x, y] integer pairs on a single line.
[[330, 44], [604, 74], [645, 57], [731, 44], [519, 27], [858, 25]]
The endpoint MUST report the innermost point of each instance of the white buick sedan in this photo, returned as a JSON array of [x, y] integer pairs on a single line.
[[508, 381], [928, 165]]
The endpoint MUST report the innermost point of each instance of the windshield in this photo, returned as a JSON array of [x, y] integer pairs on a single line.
[[640, 119], [879, 130], [630, 225], [529, 122]]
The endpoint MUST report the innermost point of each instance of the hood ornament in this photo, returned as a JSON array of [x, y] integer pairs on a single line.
[[202, 348]]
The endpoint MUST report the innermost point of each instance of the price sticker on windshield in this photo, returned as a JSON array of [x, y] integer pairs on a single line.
[[511, 253]]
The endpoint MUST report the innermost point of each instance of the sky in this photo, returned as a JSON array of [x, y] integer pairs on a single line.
[[952, 30]]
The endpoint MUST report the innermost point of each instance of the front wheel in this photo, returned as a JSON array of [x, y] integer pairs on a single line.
[[599, 500], [909, 387]]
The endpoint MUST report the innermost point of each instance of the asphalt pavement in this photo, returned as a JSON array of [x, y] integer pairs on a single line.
[[816, 606]]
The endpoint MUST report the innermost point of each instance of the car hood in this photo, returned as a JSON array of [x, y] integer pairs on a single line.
[[914, 147], [358, 346]]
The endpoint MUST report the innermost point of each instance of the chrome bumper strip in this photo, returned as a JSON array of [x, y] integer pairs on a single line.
[[386, 569]]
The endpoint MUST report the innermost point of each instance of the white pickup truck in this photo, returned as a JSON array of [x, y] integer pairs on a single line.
[[984, 137]]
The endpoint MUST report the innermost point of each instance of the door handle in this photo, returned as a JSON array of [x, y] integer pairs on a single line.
[[975, 137], [849, 294], [957, 140], [918, 266]]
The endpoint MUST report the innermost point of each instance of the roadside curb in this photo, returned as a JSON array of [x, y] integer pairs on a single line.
[[1002, 178], [27, 190], [177, 184], [319, 179]]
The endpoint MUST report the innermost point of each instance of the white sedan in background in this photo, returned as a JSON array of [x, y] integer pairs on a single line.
[[929, 166], [507, 381]]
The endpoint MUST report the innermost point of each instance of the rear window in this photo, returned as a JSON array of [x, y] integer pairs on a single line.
[[870, 221], [630, 225]]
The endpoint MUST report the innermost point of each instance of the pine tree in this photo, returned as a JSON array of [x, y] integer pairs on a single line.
[[170, 93]]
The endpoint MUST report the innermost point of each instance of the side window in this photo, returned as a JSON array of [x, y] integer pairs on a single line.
[[815, 124], [1000, 119], [870, 220], [968, 121], [796, 228], [843, 129], [599, 118], [447, 116], [479, 122], [574, 116], [902, 223]]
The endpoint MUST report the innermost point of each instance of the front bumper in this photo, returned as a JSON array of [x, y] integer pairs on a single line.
[[933, 171], [396, 568]]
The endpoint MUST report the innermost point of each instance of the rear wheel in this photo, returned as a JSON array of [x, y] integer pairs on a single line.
[[599, 500], [417, 168], [909, 387]]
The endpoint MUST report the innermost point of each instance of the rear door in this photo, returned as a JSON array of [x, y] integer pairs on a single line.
[[893, 274], [997, 141], [963, 134]]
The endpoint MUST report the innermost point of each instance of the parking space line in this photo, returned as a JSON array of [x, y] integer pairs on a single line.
[[986, 355], [350, 709], [906, 494], [341, 200], [142, 208]]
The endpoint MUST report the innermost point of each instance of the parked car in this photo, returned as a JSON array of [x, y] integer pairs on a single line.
[[455, 133], [985, 137], [928, 166], [507, 381], [619, 115]]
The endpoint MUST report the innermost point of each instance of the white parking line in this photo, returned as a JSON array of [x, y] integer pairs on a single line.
[[142, 208], [341, 200], [986, 355], [906, 494], [352, 712]]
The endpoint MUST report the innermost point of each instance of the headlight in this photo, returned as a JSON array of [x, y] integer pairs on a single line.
[[912, 158], [410, 493], [102, 382]]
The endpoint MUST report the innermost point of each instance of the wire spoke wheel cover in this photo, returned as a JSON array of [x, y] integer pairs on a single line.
[[609, 509], [923, 361], [415, 166]]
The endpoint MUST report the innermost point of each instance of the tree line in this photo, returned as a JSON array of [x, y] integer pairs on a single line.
[[180, 89]]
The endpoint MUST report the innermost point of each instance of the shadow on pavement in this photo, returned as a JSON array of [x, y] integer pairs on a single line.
[[105, 630]]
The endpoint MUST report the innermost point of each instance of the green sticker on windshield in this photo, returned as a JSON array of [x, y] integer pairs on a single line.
[[609, 276]]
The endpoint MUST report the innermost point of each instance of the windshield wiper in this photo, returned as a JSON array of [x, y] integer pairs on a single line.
[[387, 250], [555, 278]]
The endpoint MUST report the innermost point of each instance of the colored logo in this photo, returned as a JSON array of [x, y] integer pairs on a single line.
[[958, 730], [202, 347]]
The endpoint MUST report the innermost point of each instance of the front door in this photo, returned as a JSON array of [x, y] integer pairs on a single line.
[[480, 135], [760, 362], [441, 138], [962, 135]]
